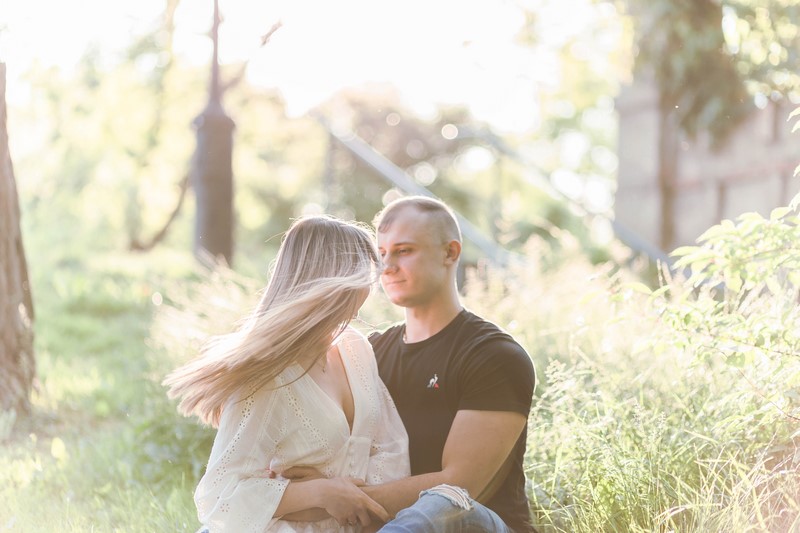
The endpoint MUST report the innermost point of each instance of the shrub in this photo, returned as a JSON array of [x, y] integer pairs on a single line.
[[673, 409]]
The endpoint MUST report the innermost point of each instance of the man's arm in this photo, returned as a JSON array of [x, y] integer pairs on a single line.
[[338, 497], [477, 446]]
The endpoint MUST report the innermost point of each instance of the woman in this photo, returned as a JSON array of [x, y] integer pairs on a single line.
[[295, 386]]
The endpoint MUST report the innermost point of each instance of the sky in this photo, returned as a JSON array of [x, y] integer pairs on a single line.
[[433, 52]]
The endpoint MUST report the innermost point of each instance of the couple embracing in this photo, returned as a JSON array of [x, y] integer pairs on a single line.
[[419, 428]]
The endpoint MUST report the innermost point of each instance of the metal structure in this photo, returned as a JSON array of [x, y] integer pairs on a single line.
[[400, 179]]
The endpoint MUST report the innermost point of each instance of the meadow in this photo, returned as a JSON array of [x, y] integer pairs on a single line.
[[663, 404]]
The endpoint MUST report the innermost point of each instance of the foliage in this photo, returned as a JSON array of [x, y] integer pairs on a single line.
[[637, 425], [742, 290], [119, 129], [90, 458], [763, 38], [668, 409], [412, 144], [710, 57], [746, 280], [104, 149], [573, 149]]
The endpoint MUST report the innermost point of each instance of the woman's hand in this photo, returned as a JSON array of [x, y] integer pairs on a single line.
[[347, 503], [340, 498]]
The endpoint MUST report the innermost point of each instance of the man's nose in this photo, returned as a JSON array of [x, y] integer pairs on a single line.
[[387, 265]]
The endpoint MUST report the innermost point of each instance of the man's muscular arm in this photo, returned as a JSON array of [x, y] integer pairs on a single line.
[[477, 446]]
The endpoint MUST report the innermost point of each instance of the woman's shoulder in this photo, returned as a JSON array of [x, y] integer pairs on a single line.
[[352, 334], [355, 341]]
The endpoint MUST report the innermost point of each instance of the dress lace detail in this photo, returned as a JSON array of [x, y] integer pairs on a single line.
[[293, 425]]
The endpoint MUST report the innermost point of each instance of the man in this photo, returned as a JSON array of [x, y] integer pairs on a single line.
[[463, 387]]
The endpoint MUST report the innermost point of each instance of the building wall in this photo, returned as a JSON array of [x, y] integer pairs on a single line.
[[753, 171]]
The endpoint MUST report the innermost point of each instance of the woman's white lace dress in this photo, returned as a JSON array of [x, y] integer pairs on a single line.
[[300, 425]]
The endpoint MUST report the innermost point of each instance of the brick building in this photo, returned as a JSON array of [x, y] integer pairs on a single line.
[[752, 171]]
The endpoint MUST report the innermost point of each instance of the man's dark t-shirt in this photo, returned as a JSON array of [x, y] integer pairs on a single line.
[[471, 364]]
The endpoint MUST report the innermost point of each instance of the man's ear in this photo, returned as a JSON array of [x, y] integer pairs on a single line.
[[453, 249]]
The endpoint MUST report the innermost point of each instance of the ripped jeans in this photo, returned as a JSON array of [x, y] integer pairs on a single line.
[[446, 509]]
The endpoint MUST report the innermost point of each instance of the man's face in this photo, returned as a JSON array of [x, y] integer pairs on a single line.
[[415, 262]]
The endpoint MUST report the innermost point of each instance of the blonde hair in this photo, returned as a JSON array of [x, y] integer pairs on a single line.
[[318, 283]]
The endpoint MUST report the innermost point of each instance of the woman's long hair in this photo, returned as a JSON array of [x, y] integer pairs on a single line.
[[322, 273]]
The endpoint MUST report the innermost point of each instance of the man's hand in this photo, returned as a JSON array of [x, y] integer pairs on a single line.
[[298, 474], [341, 499], [301, 473], [348, 504]]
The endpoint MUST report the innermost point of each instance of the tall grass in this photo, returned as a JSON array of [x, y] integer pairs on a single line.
[[635, 427], [83, 461]]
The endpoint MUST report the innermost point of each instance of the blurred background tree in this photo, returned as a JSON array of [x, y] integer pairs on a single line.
[[711, 61], [100, 145], [558, 175], [211, 174], [17, 361]]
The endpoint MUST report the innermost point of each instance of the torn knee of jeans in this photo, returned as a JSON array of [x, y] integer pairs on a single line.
[[457, 496]]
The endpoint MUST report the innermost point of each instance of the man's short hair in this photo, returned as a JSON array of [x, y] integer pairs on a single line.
[[440, 214]]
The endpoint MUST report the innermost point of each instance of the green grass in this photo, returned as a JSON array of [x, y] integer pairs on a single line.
[[630, 431], [104, 450]]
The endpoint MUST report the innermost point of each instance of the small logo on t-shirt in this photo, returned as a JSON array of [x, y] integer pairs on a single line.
[[434, 382]]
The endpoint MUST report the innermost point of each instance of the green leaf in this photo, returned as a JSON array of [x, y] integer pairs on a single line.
[[714, 231], [779, 212], [685, 250], [58, 450], [733, 281], [760, 340], [742, 356], [591, 295], [660, 291], [638, 287], [750, 216], [774, 286], [793, 205]]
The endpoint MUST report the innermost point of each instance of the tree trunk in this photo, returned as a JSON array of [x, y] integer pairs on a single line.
[[17, 363], [212, 180], [212, 169], [668, 154]]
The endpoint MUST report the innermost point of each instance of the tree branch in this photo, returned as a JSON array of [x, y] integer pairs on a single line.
[[138, 246], [239, 76]]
